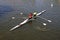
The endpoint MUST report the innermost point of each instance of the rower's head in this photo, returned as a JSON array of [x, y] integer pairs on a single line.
[[35, 13]]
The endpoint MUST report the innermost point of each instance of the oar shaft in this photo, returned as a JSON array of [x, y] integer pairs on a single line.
[[45, 19]]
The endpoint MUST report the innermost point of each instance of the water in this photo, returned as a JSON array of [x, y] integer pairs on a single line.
[[34, 30]]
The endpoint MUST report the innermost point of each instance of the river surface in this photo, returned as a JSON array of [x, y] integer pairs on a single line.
[[34, 30]]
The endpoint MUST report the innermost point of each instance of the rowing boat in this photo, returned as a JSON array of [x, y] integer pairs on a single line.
[[25, 21]]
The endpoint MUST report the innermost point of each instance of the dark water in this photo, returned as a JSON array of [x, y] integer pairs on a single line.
[[34, 30]]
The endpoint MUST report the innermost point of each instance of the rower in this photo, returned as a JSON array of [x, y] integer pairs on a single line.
[[30, 15], [34, 14]]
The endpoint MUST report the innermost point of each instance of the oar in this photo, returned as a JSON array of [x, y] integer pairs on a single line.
[[44, 19], [42, 23]]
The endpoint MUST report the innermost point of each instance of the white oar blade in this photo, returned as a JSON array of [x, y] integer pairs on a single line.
[[13, 17], [21, 13], [49, 21], [44, 24], [51, 5]]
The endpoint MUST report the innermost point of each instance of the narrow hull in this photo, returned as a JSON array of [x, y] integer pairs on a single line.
[[19, 25], [27, 20]]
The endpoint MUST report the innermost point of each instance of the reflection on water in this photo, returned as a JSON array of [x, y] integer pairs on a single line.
[[32, 30], [4, 9]]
